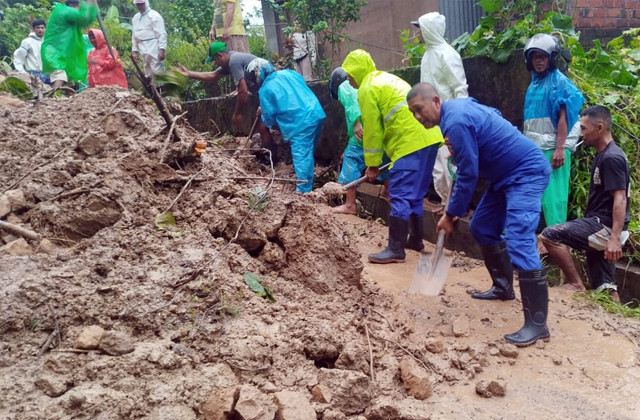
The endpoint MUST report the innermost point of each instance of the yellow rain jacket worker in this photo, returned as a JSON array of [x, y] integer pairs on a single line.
[[389, 127]]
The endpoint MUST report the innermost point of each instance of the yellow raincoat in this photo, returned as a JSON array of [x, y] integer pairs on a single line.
[[388, 124]]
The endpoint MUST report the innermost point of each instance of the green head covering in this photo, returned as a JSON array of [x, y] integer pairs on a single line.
[[215, 48]]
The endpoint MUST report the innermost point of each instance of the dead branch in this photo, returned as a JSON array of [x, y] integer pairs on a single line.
[[373, 376], [217, 128], [297, 181], [425, 365], [166, 141], [20, 231], [247, 142], [234, 366], [184, 188], [385, 318], [74, 351], [47, 343], [69, 194], [621, 332], [153, 92]]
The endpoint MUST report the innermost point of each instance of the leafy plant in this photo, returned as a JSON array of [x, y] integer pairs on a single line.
[[326, 18], [17, 87], [413, 48], [258, 199], [255, 284]]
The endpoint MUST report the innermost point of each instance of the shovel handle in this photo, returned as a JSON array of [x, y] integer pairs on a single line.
[[364, 178]]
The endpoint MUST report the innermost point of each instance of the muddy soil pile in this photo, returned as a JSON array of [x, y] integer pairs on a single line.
[[108, 315]]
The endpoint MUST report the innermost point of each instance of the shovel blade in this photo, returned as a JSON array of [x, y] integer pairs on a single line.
[[430, 276]]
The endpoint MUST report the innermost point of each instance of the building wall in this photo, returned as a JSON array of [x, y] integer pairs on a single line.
[[378, 30], [605, 19]]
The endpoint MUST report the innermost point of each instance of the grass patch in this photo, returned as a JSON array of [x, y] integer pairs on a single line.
[[603, 299]]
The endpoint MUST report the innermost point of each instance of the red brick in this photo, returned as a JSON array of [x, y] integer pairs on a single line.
[[599, 13], [617, 4], [613, 13]]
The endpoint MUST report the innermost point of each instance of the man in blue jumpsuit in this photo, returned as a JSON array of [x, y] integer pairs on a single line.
[[286, 100], [485, 145]]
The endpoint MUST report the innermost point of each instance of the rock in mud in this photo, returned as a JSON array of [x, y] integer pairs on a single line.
[[434, 346], [386, 408], [293, 406], [460, 327], [350, 390], [89, 338], [540, 344], [333, 415], [254, 405], [115, 343], [219, 404], [93, 143], [557, 360], [5, 205], [53, 386], [415, 380], [509, 350], [16, 200], [17, 248], [488, 389], [321, 394]]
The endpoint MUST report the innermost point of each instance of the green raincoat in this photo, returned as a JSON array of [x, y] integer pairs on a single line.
[[388, 125], [63, 47]]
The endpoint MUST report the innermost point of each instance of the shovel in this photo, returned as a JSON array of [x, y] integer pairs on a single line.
[[431, 272], [364, 178]]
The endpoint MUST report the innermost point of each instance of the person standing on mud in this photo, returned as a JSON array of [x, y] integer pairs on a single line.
[[229, 63], [63, 55], [603, 230], [485, 145], [389, 128], [441, 67], [353, 156], [287, 101], [551, 108]]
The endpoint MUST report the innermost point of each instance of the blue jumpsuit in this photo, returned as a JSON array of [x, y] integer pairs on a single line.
[[485, 145], [286, 100]]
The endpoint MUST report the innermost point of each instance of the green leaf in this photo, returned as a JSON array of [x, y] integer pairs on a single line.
[[255, 284], [611, 99], [164, 220], [490, 6], [17, 87]]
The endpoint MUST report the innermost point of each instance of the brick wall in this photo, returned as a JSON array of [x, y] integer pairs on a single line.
[[605, 19]]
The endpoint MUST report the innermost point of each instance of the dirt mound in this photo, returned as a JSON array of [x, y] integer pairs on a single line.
[[87, 175]]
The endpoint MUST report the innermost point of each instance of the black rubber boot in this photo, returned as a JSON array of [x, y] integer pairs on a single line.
[[498, 263], [394, 252], [416, 231], [535, 305]]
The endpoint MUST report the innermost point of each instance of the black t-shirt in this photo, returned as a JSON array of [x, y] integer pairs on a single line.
[[609, 172]]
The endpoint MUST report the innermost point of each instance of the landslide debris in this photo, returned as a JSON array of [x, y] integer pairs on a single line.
[[106, 315]]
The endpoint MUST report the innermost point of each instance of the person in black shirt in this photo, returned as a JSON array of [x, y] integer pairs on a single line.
[[603, 230]]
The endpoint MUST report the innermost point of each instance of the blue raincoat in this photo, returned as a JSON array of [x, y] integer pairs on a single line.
[[485, 145], [287, 101], [546, 94]]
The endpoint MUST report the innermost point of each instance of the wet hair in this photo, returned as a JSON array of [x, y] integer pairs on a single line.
[[72, 2], [598, 114], [38, 22]]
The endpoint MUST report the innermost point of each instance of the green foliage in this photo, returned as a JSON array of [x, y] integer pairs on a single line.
[[255, 284], [17, 23], [173, 82], [413, 48], [192, 56], [603, 299], [326, 18], [164, 220], [258, 42], [258, 199], [17, 87]]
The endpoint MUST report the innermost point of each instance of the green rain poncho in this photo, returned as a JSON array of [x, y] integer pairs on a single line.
[[63, 47]]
